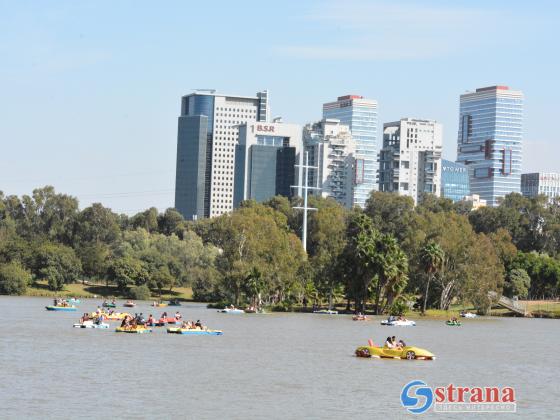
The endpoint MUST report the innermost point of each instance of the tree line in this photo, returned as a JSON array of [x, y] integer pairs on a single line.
[[384, 257]]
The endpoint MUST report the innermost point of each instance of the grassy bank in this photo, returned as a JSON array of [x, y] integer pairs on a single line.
[[100, 290]]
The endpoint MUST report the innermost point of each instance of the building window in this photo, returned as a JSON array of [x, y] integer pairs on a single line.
[[506, 162]]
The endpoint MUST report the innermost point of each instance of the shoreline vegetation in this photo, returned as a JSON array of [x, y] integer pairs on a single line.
[[539, 309], [390, 258]]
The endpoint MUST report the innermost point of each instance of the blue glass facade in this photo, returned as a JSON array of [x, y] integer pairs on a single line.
[[490, 141], [360, 115], [454, 180], [194, 156]]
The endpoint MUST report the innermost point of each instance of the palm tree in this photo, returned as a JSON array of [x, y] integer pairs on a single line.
[[253, 285], [393, 269], [431, 260]]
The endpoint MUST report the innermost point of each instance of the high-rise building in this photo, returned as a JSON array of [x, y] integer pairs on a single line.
[[331, 148], [265, 160], [454, 180], [207, 134], [490, 141], [360, 115], [410, 161], [540, 183]]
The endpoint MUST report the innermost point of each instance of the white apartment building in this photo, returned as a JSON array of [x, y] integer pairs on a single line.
[[540, 183], [410, 160], [331, 149]]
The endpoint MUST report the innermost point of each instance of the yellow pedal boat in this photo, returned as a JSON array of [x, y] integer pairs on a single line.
[[407, 352], [137, 330]]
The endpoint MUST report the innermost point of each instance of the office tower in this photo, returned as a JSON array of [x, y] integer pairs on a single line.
[[454, 180], [490, 140], [331, 148], [360, 115], [265, 160], [410, 161], [207, 134], [540, 183]]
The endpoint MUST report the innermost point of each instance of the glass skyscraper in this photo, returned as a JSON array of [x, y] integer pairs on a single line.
[[454, 180], [490, 141], [206, 137], [360, 115]]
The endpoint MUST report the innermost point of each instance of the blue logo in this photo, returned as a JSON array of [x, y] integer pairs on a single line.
[[417, 397]]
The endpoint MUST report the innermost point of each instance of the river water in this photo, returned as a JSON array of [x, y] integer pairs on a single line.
[[279, 366]]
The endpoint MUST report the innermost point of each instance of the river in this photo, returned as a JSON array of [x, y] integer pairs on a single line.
[[280, 366]]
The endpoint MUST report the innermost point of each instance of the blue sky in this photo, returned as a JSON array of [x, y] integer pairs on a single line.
[[90, 90]]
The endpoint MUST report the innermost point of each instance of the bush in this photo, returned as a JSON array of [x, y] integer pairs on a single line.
[[400, 306], [517, 283], [140, 292], [13, 279]]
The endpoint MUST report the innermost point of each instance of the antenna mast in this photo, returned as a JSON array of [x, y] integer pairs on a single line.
[[305, 188]]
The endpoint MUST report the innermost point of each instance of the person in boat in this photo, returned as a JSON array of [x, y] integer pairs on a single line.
[[114, 302], [99, 319], [164, 316], [198, 324], [150, 321], [178, 316], [401, 344], [394, 341], [184, 325], [389, 343]]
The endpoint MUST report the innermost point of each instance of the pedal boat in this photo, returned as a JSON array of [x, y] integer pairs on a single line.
[[193, 331], [231, 311], [61, 308], [406, 353], [137, 330], [398, 323], [91, 324], [326, 312]]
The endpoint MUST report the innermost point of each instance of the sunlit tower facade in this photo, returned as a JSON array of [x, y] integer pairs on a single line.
[[490, 141], [360, 115]]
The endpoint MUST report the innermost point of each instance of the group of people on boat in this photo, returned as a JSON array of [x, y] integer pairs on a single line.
[[397, 318], [453, 320], [191, 325], [391, 343], [61, 302], [133, 322], [97, 319]]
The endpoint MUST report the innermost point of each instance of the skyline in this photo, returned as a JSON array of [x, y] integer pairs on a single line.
[[92, 109]]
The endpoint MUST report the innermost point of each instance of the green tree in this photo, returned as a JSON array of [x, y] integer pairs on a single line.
[[140, 292], [391, 213], [170, 222], [517, 283], [96, 224], [431, 260], [128, 271], [56, 263], [13, 279]]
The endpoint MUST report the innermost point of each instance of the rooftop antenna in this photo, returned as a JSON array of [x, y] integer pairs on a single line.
[[305, 188]]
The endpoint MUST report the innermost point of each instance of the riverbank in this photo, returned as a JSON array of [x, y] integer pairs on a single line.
[[93, 291], [537, 309]]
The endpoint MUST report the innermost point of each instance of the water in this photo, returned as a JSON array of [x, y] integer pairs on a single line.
[[275, 366]]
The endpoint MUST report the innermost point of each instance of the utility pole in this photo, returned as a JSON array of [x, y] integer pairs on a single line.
[[304, 187]]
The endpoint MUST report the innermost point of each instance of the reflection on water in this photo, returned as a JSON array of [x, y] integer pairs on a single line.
[[273, 365]]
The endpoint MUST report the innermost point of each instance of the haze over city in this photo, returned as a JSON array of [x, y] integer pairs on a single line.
[[91, 91]]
